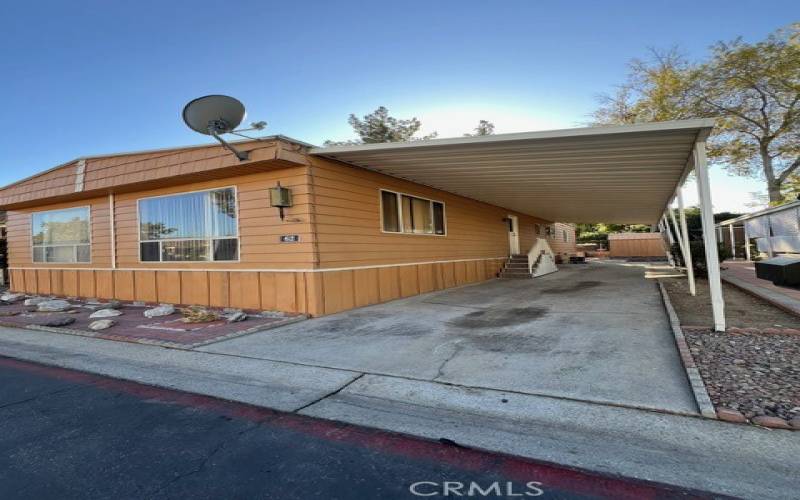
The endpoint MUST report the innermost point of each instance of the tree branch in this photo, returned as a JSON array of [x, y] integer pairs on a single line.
[[735, 113], [786, 173]]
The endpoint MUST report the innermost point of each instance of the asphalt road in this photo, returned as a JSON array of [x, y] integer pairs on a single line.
[[67, 434]]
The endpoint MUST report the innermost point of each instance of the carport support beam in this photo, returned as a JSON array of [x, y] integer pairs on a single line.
[[665, 228], [709, 238], [733, 241], [685, 236], [681, 241], [746, 243]]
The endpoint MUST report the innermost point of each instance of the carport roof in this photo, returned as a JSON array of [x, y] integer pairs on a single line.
[[618, 174]]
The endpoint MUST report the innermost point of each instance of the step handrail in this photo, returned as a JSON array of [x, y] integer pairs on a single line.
[[541, 248]]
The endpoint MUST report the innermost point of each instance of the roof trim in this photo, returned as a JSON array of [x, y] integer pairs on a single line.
[[698, 123], [157, 150]]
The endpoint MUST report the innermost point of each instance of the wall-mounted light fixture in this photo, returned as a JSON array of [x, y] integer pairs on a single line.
[[280, 198]]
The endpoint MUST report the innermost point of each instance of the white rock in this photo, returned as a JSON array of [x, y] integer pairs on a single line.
[[106, 313], [236, 317], [34, 301], [12, 297], [54, 305], [102, 324], [162, 310]]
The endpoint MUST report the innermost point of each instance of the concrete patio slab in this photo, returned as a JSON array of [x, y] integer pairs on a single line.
[[595, 332]]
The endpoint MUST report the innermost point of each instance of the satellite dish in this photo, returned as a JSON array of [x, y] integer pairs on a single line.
[[214, 115]]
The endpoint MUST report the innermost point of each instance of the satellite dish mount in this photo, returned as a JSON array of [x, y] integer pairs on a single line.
[[215, 115]]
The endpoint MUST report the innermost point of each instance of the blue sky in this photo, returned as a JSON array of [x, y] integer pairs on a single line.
[[91, 77]]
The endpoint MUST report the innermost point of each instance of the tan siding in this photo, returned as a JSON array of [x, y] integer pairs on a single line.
[[365, 289], [218, 289], [145, 286], [169, 287], [557, 243], [259, 225], [104, 284], [347, 216], [194, 287], [19, 234]]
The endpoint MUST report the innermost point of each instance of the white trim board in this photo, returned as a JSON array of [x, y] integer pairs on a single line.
[[296, 270]]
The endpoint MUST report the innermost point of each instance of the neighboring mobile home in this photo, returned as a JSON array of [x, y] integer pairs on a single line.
[[195, 225]]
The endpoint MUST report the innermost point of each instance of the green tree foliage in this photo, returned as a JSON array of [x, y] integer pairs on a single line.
[[693, 223], [378, 126], [592, 233], [753, 88], [484, 128]]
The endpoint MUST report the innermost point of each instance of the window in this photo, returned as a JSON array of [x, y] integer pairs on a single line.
[[401, 213], [61, 236], [190, 227], [566, 238]]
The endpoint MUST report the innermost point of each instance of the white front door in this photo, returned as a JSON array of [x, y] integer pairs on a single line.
[[513, 234]]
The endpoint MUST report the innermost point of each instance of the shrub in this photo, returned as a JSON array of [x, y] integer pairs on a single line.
[[698, 250]]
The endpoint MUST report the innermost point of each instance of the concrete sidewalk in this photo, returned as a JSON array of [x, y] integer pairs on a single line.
[[685, 451]]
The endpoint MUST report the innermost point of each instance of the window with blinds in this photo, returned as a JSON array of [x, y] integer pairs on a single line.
[[189, 227], [402, 213]]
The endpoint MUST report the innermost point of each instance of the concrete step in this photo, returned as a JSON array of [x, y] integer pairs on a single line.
[[513, 275], [517, 265]]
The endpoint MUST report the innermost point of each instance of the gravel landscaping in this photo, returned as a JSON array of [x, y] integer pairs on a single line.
[[752, 371]]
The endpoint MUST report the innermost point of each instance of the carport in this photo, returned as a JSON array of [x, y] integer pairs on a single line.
[[628, 174]]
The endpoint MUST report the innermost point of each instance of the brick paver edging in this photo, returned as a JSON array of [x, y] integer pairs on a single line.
[[699, 391], [161, 343]]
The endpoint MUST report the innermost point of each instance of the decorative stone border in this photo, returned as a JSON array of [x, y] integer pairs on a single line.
[[701, 396]]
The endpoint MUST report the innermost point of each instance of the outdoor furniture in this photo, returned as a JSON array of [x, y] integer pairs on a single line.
[[781, 271]]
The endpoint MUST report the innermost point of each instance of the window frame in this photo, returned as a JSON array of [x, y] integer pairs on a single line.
[[400, 220], [209, 239], [88, 221]]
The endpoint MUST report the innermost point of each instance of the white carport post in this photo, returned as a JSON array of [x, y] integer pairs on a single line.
[[746, 242], [733, 241], [709, 240], [665, 228], [681, 242], [688, 248]]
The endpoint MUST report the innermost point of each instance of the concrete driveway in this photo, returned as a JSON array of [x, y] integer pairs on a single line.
[[595, 332]]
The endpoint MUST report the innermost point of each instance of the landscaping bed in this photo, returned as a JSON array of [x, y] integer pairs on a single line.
[[752, 371], [168, 327]]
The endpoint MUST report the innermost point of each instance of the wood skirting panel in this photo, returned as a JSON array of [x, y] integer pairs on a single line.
[[314, 293]]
